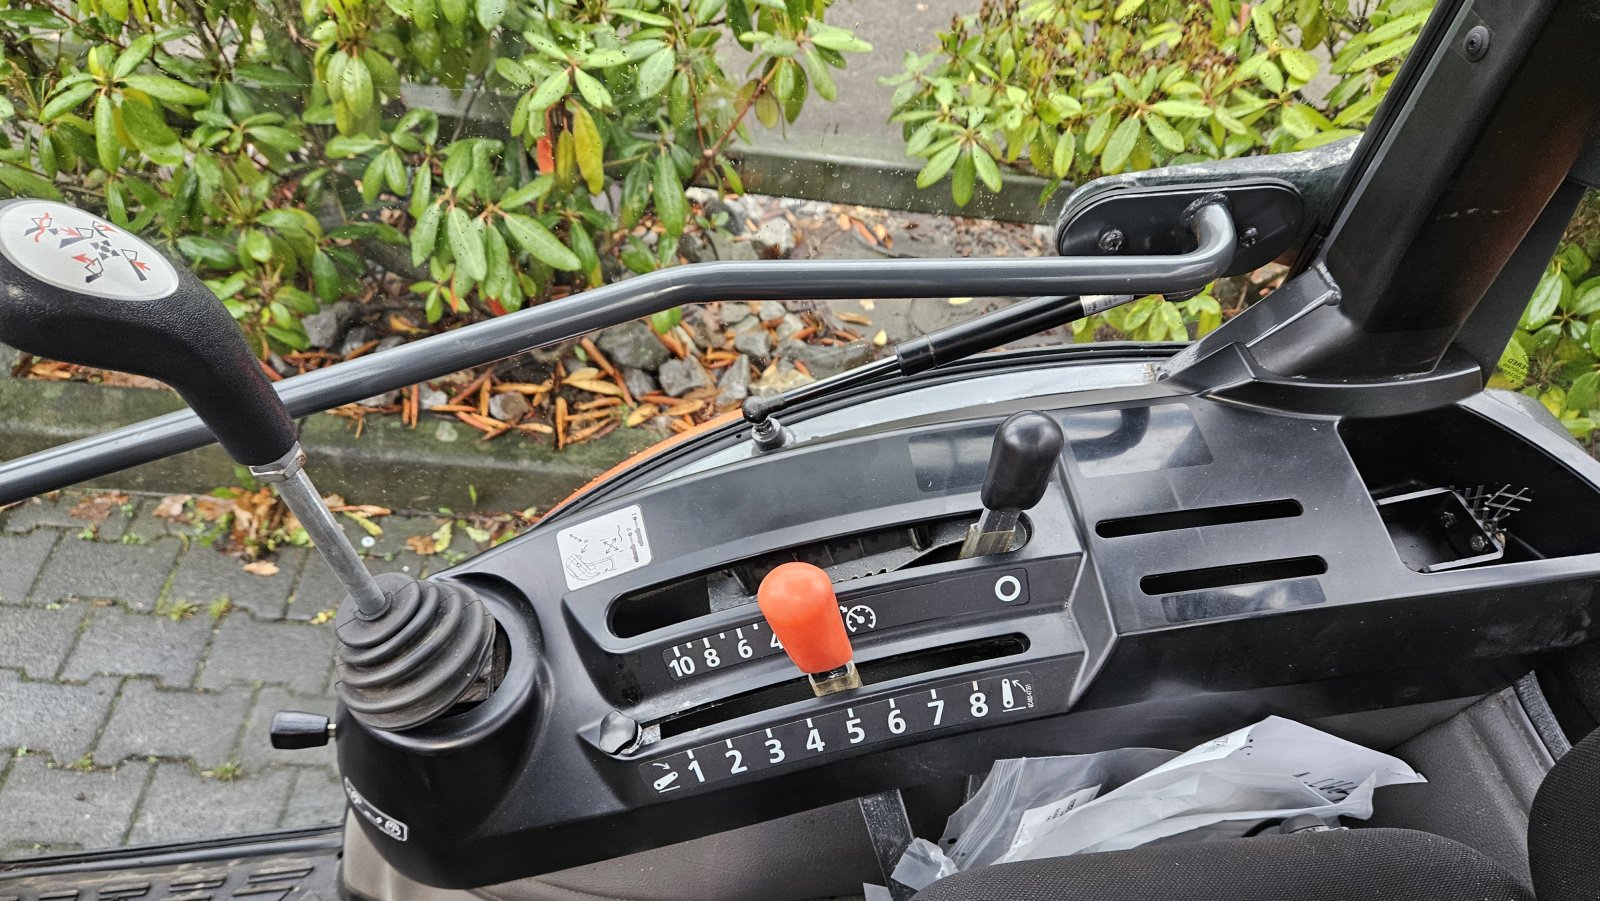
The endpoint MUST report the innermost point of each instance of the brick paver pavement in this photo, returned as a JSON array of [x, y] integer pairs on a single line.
[[133, 711]]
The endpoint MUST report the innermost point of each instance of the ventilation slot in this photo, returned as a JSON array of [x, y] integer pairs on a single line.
[[1236, 574], [1194, 519]]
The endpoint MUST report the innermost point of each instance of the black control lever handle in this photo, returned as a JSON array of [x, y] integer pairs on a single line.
[[76, 288], [1026, 448]]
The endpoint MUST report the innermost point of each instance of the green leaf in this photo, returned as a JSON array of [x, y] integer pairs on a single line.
[[656, 71], [466, 243], [549, 91], [1061, 159], [106, 145], [167, 90], [590, 148], [425, 237], [539, 242], [455, 11], [988, 171], [1261, 18], [1586, 298], [592, 89], [830, 37], [962, 179], [513, 71], [256, 245], [1120, 147], [817, 72], [1125, 9], [1299, 64], [528, 193], [27, 184], [666, 320], [67, 100], [1584, 392], [938, 165], [490, 12], [671, 206], [1163, 132], [138, 51], [1546, 298], [355, 85], [1182, 109], [604, 59]]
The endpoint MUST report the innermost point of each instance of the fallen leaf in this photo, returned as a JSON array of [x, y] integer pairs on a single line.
[[958, 301], [96, 508], [854, 318], [640, 414], [422, 544], [594, 385], [587, 372], [173, 507], [261, 568], [881, 338]]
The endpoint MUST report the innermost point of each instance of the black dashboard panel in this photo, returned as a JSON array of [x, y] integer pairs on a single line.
[[1186, 551]]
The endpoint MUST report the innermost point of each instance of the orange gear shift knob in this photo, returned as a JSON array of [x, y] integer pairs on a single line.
[[798, 601]]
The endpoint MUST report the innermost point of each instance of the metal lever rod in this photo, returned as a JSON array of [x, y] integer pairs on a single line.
[[535, 327], [288, 477]]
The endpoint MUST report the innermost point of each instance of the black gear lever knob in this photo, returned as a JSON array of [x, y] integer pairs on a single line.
[[76, 288], [1026, 448]]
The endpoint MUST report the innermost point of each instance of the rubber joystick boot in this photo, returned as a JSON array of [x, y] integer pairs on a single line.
[[418, 658]]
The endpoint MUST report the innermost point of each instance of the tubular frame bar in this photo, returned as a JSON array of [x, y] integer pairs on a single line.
[[619, 302]]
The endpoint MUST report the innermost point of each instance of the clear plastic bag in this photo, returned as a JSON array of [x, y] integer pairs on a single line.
[[1037, 807]]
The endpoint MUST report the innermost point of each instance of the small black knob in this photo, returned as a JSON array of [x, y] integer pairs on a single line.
[[292, 730], [1025, 451]]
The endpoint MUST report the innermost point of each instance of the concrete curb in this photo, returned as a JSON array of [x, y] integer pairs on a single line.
[[414, 469]]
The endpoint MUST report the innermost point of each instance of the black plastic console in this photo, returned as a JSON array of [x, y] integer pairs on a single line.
[[1193, 566]]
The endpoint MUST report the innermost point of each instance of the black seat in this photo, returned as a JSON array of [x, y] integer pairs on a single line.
[[1344, 865]]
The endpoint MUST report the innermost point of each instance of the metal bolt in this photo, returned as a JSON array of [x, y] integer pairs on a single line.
[[1478, 543], [1476, 45], [1249, 237], [1112, 240]]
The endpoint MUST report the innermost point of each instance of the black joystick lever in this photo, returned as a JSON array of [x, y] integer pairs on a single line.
[[1026, 448], [76, 288]]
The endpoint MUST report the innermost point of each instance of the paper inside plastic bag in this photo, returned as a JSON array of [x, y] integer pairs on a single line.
[[1273, 770], [1031, 808]]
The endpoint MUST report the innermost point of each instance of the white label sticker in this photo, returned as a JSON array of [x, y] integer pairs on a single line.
[[66, 247], [603, 547]]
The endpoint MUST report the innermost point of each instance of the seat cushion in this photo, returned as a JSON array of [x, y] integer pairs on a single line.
[[1342, 865]]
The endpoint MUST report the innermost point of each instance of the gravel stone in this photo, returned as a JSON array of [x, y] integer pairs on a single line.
[[58, 810], [20, 561], [639, 382], [508, 407], [772, 311], [783, 377], [149, 722], [60, 720], [356, 337], [36, 639], [755, 342], [123, 643], [432, 397], [774, 238], [679, 377], [735, 383], [734, 312], [247, 652], [824, 361], [183, 805], [633, 344], [790, 326], [729, 249]]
